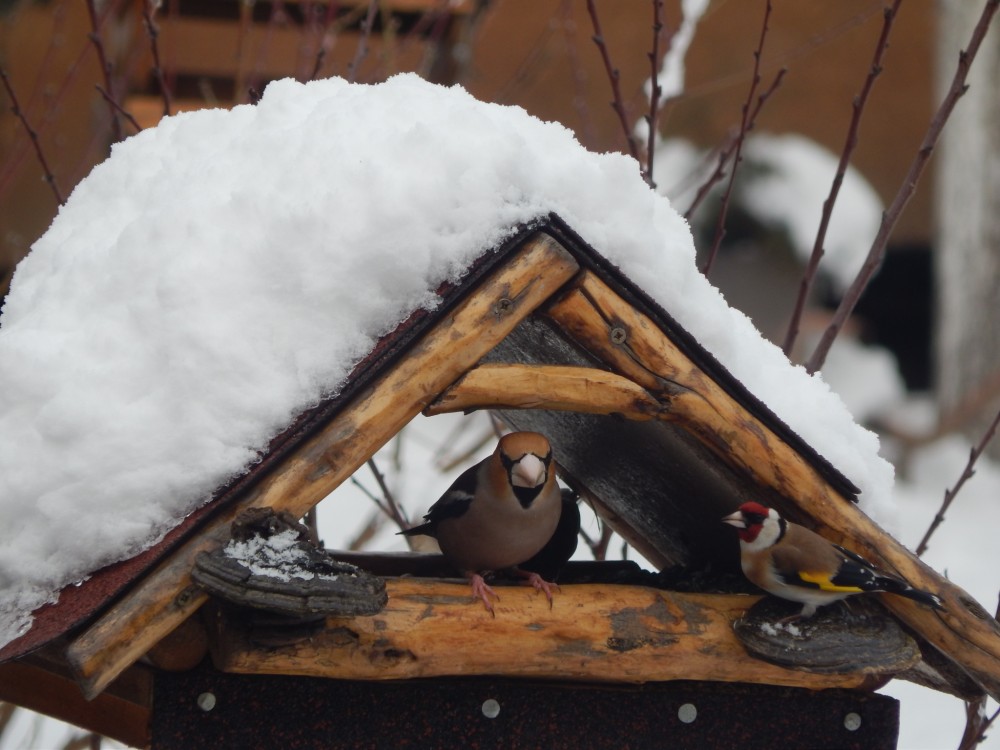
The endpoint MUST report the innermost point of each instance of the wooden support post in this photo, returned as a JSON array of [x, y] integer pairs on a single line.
[[166, 597]]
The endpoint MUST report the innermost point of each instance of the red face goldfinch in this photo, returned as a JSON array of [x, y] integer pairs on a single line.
[[797, 564], [499, 513]]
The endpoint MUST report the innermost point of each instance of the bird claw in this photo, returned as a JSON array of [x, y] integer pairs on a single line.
[[483, 591], [540, 584]]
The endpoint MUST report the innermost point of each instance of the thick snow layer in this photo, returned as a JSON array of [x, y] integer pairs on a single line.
[[225, 270]]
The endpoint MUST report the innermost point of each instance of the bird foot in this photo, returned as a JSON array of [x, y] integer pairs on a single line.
[[482, 591], [540, 584]]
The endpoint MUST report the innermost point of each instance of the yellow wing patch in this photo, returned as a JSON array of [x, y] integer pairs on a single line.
[[825, 584]]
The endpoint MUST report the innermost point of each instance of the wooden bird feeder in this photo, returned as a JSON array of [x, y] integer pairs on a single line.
[[657, 435]]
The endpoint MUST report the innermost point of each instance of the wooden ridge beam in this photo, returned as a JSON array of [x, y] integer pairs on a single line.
[[166, 597], [593, 632]]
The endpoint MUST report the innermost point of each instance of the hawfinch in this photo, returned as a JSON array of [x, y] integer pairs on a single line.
[[797, 564], [499, 513]]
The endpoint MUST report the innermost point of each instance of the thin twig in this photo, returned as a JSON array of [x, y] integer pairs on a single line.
[[95, 37], [720, 224], [15, 107], [613, 76], [967, 473], [362, 50], [891, 215], [580, 80], [727, 150], [394, 511], [121, 110], [655, 92], [153, 32], [812, 267], [976, 723]]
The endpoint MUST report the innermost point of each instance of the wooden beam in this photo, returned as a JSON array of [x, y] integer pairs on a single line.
[[166, 597], [562, 388], [593, 632], [123, 715], [630, 343]]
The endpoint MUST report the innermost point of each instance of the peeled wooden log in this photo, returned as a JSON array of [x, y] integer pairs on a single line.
[[592, 632]]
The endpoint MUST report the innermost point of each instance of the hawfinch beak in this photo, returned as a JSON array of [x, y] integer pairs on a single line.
[[528, 472]]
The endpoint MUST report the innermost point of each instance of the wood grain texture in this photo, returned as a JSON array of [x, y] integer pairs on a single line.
[[594, 632], [628, 342], [559, 387], [167, 596]]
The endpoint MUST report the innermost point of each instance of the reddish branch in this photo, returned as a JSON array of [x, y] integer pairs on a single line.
[[845, 158], [366, 32], [720, 230], [15, 107], [655, 92], [118, 108], [726, 152], [967, 474], [95, 37], [153, 32], [613, 76], [889, 217]]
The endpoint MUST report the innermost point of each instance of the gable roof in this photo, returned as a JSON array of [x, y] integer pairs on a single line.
[[662, 484]]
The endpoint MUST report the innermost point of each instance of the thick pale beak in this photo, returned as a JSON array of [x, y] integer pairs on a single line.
[[735, 519], [528, 472]]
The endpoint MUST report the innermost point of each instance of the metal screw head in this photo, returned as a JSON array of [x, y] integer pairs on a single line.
[[618, 335], [852, 722], [491, 708], [687, 713], [206, 701]]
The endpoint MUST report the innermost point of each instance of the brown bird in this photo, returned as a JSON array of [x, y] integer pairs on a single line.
[[797, 564], [499, 513]]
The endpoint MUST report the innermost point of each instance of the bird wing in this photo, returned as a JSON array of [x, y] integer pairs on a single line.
[[457, 498], [827, 569], [561, 546]]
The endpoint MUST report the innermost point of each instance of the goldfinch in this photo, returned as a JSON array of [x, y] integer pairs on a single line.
[[499, 513], [797, 564]]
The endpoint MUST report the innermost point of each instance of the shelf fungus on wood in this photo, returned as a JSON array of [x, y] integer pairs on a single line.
[[860, 638], [270, 565]]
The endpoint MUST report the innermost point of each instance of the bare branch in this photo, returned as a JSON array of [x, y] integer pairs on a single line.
[[967, 473], [393, 510], [362, 50], [655, 91], [845, 158], [15, 107], [726, 151], [95, 38], [153, 32], [613, 76], [118, 108], [889, 217], [976, 723], [720, 230]]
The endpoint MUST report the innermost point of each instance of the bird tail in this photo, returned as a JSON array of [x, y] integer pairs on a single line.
[[424, 528], [902, 588]]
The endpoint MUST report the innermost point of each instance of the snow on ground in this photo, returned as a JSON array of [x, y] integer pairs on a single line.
[[225, 270]]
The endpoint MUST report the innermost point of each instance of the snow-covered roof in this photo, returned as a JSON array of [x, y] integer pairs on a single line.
[[225, 271]]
